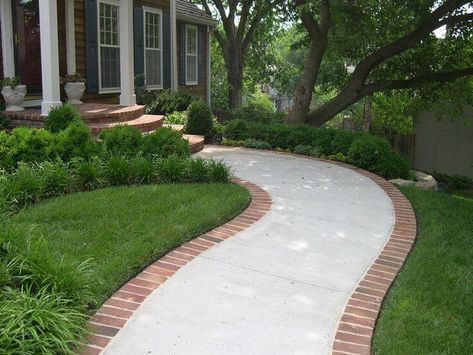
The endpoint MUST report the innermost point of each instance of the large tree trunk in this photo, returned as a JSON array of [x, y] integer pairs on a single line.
[[235, 81], [304, 90], [367, 113]]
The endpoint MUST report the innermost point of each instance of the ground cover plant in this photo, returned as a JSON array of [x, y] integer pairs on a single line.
[[429, 309], [360, 149]]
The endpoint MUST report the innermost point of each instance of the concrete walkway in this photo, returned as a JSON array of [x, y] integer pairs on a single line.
[[280, 286]]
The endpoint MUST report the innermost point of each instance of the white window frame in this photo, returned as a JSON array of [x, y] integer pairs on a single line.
[[117, 4], [160, 13], [196, 55]]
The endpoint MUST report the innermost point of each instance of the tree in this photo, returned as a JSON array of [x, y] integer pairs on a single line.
[[386, 54], [245, 25]]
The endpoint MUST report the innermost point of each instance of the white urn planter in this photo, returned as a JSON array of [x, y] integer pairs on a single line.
[[74, 92], [14, 97]]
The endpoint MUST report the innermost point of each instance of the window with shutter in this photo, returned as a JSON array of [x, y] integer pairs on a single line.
[[153, 31]]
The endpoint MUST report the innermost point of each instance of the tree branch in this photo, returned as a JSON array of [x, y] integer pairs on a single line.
[[437, 77], [431, 23], [245, 12]]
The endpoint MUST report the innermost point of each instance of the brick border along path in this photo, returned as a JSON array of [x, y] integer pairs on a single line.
[[116, 311], [355, 330]]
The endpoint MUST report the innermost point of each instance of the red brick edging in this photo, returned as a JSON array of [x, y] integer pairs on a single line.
[[115, 312], [356, 325]]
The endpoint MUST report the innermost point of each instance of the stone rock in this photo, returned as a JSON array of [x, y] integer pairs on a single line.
[[423, 181]]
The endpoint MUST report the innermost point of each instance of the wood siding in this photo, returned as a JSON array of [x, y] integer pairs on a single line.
[[81, 63]]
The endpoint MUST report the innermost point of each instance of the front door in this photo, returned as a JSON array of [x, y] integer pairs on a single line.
[[27, 43]]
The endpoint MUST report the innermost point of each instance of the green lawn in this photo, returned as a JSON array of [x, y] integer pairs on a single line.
[[124, 229], [430, 307]]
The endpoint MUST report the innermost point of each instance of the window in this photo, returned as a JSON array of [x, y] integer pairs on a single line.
[[109, 54], [153, 49], [191, 55]]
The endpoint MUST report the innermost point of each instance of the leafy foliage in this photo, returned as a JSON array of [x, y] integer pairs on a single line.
[[167, 101], [59, 118], [199, 119], [363, 150], [165, 142], [122, 140]]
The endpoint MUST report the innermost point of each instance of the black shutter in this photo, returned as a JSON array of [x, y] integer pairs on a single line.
[[182, 54], [202, 32], [92, 46], [166, 50], [139, 39]]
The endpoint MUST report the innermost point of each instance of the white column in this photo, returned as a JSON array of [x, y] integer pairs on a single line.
[[174, 82], [49, 55], [70, 37], [209, 64], [127, 70], [7, 39]]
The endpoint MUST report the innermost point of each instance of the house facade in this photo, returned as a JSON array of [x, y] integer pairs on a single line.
[[163, 43]]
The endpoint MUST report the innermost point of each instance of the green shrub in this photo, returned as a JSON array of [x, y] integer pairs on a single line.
[[219, 171], [165, 142], [258, 108], [60, 117], [177, 117], [216, 134], [376, 155], [237, 130], [40, 322], [199, 119], [4, 122], [166, 101], [393, 166], [456, 182], [338, 157], [233, 143], [256, 144], [31, 145], [171, 170], [22, 187], [142, 170], [76, 142], [122, 140], [87, 174], [55, 178], [117, 170], [368, 151], [308, 150], [342, 142], [198, 170]]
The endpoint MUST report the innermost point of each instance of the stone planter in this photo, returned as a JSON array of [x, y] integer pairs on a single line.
[[14, 97], [74, 92]]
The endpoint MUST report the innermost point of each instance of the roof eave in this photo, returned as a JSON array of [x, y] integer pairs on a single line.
[[197, 20]]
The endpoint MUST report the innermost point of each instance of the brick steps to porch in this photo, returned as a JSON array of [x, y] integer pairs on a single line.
[[196, 142], [100, 117], [145, 123]]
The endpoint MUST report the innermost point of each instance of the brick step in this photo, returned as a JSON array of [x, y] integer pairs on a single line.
[[145, 123], [196, 142], [102, 113]]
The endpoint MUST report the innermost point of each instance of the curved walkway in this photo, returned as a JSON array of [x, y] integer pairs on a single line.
[[281, 285]]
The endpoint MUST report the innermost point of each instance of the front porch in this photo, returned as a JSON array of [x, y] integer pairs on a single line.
[[39, 45]]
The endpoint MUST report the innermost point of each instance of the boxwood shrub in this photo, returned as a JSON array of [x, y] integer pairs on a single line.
[[360, 149]]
